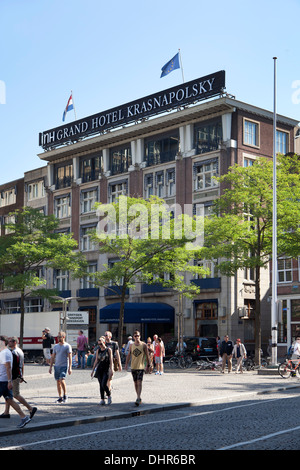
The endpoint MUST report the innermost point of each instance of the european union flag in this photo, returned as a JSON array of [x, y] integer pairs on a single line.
[[170, 66]]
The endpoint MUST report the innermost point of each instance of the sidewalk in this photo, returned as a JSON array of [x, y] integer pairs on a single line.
[[176, 388]]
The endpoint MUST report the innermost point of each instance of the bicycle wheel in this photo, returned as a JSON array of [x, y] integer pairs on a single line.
[[189, 361], [285, 370], [183, 362], [173, 362]]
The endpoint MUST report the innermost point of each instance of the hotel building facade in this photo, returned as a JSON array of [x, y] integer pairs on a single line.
[[173, 155]]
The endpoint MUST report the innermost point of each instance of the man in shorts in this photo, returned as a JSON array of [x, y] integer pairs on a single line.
[[6, 361], [62, 357], [138, 352], [17, 377]]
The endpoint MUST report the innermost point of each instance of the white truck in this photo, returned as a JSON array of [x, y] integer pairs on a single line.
[[35, 323]]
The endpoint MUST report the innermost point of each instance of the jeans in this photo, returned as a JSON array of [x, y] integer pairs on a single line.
[[102, 379], [81, 355]]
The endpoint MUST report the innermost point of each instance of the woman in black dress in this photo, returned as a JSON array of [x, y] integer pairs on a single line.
[[103, 367]]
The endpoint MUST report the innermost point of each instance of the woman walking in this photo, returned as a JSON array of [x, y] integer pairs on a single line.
[[104, 369]]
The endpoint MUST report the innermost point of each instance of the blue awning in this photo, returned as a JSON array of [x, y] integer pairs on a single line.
[[147, 312]]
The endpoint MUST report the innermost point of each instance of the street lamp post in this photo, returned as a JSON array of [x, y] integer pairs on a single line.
[[65, 301], [274, 239]]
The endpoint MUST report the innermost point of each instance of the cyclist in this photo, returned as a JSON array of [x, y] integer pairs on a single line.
[[296, 349], [181, 346]]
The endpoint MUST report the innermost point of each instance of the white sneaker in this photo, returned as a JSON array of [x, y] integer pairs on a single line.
[[109, 402], [24, 421], [102, 402]]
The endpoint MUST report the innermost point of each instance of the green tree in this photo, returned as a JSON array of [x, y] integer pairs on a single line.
[[31, 242], [239, 233], [146, 242]]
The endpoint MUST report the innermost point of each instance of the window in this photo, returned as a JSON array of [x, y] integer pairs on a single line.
[[90, 168], [11, 220], [208, 266], [86, 243], [63, 176], [171, 187], [207, 311], [35, 190], [159, 184], [285, 270], [88, 282], [33, 305], [208, 137], [116, 190], [88, 200], [251, 133], [204, 173], [61, 279], [282, 142], [161, 149], [120, 160], [248, 162], [62, 206], [11, 306], [203, 210], [8, 197], [148, 185]]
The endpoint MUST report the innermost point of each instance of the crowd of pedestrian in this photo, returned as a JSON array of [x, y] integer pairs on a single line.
[[140, 357]]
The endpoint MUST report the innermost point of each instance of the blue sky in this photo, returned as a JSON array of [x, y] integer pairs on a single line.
[[110, 53]]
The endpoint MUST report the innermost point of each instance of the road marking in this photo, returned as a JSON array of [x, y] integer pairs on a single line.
[[122, 428], [263, 438]]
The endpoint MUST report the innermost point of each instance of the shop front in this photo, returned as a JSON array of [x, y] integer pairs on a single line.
[[149, 318]]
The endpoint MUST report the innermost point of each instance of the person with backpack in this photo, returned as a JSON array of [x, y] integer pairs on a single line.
[[113, 345], [48, 340], [17, 377], [82, 344]]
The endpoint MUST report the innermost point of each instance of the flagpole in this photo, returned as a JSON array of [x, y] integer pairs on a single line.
[[73, 105], [274, 239], [181, 65]]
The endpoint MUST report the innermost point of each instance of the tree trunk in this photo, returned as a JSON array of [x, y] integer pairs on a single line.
[[121, 318], [257, 317]]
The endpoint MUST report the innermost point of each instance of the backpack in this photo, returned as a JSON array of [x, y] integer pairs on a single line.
[[290, 351], [15, 371]]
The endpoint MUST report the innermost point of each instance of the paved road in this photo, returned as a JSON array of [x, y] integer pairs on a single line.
[[263, 422]]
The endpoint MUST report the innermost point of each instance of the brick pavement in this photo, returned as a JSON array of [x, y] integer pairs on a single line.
[[176, 388]]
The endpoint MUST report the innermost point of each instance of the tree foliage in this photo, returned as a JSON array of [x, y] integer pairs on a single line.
[[239, 233], [32, 241], [147, 241]]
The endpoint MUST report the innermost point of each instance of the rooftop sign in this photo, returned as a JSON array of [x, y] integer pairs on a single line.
[[172, 98]]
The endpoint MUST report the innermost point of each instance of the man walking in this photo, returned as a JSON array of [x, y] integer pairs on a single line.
[[62, 357], [138, 352], [226, 353], [17, 377], [6, 360], [48, 340], [82, 343]]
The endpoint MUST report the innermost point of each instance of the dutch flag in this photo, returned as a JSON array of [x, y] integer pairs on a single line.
[[69, 107]]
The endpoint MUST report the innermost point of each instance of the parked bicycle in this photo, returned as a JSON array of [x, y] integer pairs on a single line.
[[206, 364], [181, 360], [250, 363], [289, 368]]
